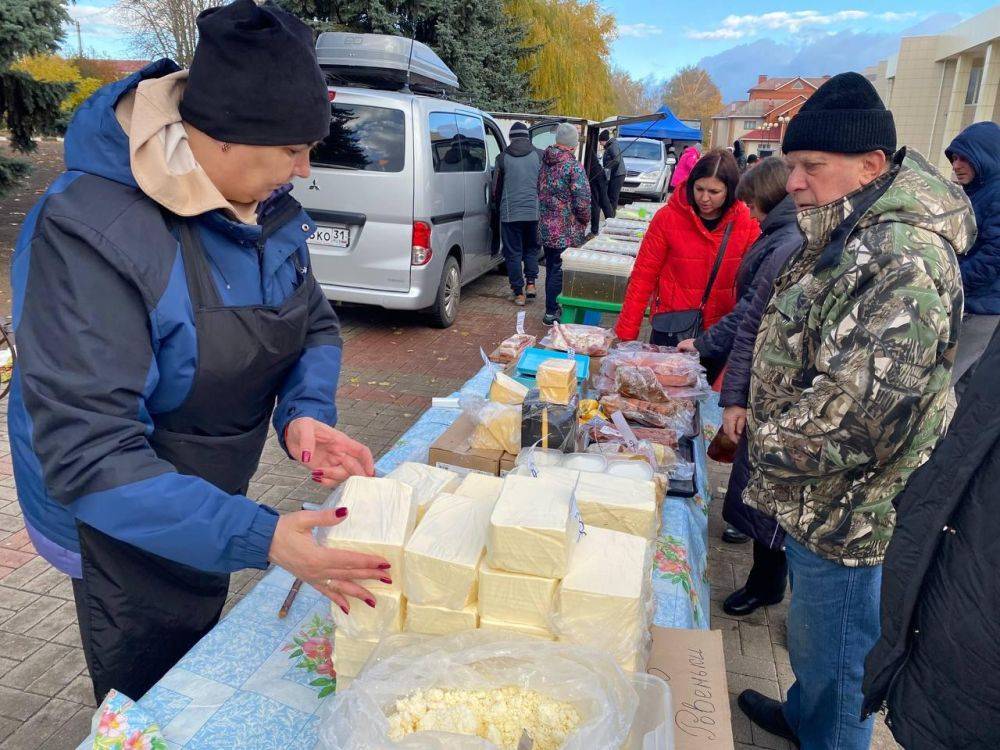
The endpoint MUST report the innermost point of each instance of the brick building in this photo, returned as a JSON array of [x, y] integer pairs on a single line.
[[760, 121]]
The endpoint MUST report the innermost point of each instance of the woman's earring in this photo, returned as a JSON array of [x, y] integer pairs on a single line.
[[226, 147]]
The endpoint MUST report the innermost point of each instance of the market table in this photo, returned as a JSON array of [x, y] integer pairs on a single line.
[[256, 682]]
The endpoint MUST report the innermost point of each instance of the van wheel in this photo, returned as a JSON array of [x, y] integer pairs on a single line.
[[445, 308]]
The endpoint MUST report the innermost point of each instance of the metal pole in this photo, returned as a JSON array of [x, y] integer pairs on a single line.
[[79, 41]]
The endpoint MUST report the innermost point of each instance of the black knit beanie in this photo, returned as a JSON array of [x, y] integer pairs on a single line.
[[254, 78], [844, 116]]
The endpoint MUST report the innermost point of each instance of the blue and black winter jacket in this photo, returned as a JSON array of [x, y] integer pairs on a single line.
[[979, 144], [106, 341]]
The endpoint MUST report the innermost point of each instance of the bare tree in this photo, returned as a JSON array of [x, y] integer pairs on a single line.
[[163, 28]]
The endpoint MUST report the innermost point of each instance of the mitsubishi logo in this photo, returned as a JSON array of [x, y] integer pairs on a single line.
[[314, 186]]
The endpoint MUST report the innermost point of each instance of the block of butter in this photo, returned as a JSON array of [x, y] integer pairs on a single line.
[[556, 380], [618, 503], [532, 529], [515, 597], [427, 483], [605, 600], [567, 477], [480, 486], [350, 654], [498, 428], [441, 559], [506, 390], [367, 622], [421, 618], [487, 623], [381, 516]]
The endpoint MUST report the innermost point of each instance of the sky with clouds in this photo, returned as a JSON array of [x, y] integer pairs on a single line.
[[734, 40]]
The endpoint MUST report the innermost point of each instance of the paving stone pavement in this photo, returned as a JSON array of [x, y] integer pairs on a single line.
[[393, 366]]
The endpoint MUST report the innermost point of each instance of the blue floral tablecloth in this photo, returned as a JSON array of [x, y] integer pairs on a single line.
[[255, 682]]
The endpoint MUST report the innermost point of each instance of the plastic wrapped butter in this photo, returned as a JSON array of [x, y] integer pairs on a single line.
[[566, 477], [429, 620], [480, 486], [366, 622], [505, 390], [532, 529], [556, 380], [515, 597], [487, 623], [427, 482], [381, 516], [605, 601], [498, 428], [617, 503], [441, 560], [350, 654]]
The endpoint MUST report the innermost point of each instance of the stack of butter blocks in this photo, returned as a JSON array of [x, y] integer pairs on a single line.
[[441, 565], [605, 600], [380, 519], [532, 538], [427, 482], [556, 381]]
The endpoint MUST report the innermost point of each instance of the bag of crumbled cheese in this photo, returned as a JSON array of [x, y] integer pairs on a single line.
[[479, 690]]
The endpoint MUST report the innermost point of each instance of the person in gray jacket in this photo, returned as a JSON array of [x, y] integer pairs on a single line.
[[515, 193], [614, 165]]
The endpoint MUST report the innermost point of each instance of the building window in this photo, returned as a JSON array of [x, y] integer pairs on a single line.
[[749, 124], [975, 82]]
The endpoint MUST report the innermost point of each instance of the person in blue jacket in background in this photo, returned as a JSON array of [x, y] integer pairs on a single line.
[[164, 308], [975, 160]]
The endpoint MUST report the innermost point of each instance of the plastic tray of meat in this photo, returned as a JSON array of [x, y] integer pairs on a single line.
[[590, 340]]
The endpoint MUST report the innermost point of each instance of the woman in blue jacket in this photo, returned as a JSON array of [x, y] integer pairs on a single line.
[[732, 340], [164, 309], [975, 159]]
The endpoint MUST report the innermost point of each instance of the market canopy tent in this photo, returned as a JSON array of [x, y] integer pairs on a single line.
[[666, 128]]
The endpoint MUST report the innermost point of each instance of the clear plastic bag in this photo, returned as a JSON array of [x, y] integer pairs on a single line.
[[674, 371], [549, 426], [510, 349], [498, 426], [590, 340], [357, 718], [676, 414], [617, 245], [627, 228]]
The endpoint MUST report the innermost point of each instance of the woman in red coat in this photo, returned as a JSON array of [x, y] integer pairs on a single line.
[[679, 250]]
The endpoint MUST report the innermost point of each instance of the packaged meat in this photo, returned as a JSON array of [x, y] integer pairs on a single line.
[[510, 349], [590, 340], [676, 414], [670, 369], [603, 432]]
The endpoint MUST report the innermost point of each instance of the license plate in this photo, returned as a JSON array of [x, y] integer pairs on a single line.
[[334, 236]]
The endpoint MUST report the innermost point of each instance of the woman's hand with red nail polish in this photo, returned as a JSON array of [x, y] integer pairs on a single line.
[[332, 455], [335, 573]]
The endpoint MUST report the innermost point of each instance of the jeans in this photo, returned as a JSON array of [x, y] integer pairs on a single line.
[[520, 248], [553, 278], [769, 573], [973, 338], [833, 622]]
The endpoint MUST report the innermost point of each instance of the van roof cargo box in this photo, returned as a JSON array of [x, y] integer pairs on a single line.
[[382, 61]]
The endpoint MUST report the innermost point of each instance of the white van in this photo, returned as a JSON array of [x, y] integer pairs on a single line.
[[400, 190]]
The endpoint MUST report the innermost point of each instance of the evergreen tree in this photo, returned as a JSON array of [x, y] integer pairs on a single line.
[[477, 39], [28, 106]]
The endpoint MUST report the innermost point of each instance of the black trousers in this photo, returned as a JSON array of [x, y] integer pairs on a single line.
[[769, 573], [614, 191], [139, 613]]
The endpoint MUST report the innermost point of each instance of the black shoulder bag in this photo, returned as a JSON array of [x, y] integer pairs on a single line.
[[670, 328]]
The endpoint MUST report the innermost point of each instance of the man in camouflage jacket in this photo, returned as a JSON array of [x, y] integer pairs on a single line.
[[849, 387]]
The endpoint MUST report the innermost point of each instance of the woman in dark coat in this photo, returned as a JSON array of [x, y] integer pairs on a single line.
[[937, 663], [763, 190]]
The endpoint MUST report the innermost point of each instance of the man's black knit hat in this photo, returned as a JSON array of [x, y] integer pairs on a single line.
[[518, 130], [254, 78], [844, 116]]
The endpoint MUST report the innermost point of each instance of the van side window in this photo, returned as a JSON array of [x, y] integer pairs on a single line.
[[474, 141], [371, 139], [493, 146], [446, 143]]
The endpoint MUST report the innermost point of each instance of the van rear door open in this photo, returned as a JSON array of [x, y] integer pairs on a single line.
[[360, 195]]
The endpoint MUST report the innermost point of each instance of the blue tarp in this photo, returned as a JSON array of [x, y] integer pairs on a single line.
[[669, 128]]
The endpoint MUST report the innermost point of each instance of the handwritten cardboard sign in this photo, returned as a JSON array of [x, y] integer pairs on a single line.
[[693, 664]]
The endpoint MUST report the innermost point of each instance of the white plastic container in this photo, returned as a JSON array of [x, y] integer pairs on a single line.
[[652, 728], [585, 462], [539, 457], [632, 469]]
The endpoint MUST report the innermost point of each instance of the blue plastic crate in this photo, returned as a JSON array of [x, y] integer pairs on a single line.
[[533, 357]]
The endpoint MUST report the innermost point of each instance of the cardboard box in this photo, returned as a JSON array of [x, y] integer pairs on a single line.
[[693, 663], [507, 463], [451, 451]]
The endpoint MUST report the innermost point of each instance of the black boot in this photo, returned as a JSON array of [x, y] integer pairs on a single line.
[[741, 602], [767, 714], [732, 536]]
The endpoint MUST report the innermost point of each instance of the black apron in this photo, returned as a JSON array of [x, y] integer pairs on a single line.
[[140, 613]]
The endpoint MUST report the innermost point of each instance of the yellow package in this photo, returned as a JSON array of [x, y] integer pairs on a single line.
[[498, 428], [506, 390]]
